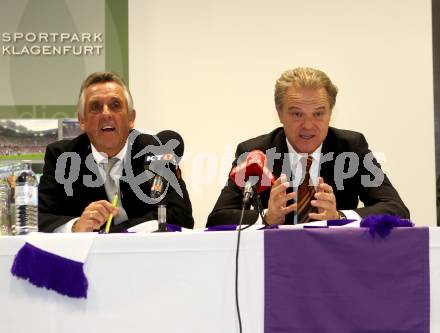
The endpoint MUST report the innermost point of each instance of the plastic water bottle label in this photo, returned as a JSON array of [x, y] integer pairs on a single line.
[[26, 195]]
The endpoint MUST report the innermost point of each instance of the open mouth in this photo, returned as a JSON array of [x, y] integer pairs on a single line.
[[306, 136], [108, 129]]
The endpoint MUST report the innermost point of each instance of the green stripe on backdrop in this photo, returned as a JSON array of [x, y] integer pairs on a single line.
[[116, 60], [37, 111], [116, 37]]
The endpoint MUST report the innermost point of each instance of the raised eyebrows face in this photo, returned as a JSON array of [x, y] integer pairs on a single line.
[[106, 119]]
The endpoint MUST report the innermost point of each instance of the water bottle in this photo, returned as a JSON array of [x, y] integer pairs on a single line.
[[5, 208], [11, 182], [26, 202]]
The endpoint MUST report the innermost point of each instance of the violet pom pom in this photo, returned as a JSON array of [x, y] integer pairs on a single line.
[[382, 224]]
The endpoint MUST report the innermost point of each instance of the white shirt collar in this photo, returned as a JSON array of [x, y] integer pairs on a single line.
[[102, 157], [295, 156], [297, 169]]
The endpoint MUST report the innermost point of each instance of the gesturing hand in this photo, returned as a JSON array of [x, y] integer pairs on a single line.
[[277, 209], [325, 201]]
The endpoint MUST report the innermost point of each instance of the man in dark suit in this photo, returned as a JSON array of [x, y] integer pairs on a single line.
[[72, 193], [341, 168]]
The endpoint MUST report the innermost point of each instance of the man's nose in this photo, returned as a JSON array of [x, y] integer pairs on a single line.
[[106, 110], [308, 123]]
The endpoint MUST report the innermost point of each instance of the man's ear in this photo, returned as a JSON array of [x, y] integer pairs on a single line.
[[279, 115], [131, 118], [82, 124]]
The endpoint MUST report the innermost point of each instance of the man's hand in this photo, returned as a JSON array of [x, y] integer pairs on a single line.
[[277, 210], [325, 201], [94, 216]]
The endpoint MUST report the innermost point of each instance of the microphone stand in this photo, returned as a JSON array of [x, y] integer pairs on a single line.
[[256, 199], [162, 218], [156, 192], [161, 214], [249, 192], [260, 208]]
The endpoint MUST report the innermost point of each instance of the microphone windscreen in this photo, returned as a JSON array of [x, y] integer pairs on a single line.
[[144, 140], [167, 135], [253, 166]]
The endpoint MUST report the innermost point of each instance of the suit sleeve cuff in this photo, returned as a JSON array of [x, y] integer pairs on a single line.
[[67, 227], [351, 215]]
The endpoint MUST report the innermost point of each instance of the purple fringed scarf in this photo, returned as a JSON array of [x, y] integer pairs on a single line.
[[54, 262], [48, 270], [382, 224]]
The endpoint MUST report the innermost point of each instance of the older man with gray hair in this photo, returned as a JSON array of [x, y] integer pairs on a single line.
[[105, 151]]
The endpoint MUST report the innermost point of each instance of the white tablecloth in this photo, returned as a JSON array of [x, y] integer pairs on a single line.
[[174, 282]]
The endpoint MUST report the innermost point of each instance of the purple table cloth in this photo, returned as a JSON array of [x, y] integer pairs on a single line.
[[343, 280]]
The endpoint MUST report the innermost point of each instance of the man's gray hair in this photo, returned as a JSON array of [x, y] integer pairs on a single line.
[[102, 77]]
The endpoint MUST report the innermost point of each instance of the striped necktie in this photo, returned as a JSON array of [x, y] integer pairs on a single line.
[[305, 194]]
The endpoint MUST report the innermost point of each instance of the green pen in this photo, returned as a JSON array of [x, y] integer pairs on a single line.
[[110, 217]]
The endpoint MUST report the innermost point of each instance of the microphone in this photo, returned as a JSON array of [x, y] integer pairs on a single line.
[[248, 193], [164, 163], [252, 175]]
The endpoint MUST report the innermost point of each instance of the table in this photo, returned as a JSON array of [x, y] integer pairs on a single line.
[[174, 282]]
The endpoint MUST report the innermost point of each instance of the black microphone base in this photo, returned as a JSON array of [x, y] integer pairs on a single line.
[[162, 228]]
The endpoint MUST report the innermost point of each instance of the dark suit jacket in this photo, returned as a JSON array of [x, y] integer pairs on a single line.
[[57, 208], [383, 199]]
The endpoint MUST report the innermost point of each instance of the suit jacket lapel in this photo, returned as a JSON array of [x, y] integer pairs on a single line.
[[89, 193], [281, 148], [328, 155]]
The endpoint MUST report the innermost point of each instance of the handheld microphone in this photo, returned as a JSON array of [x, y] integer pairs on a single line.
[[252, 175], [164, 163]]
